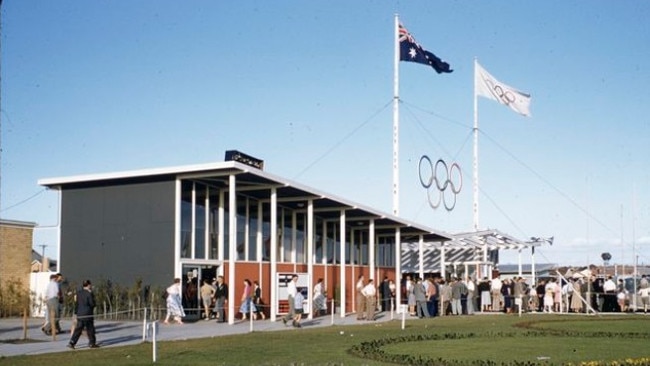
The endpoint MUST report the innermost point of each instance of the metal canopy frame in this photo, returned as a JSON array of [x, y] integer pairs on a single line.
[[463, 249]]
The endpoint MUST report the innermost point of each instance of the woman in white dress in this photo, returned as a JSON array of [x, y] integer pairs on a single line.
[[320, 305], [174, 302], [549, 296], [410, 295]]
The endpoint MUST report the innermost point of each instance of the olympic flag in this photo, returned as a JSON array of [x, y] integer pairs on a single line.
[[487, 86]]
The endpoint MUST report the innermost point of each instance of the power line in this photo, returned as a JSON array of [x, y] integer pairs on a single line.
[[23, 201], [548, 183], [342, 140], [513, 156]]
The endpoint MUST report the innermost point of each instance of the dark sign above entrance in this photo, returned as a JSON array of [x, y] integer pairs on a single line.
[[240, 157]]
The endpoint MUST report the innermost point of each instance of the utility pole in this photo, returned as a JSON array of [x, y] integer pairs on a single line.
[[0, 103], [43, 246]]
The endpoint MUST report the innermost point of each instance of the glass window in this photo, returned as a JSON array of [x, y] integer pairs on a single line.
[[241, 229], [332, 243], [301, 237], [186, 219], [214, 224], [318, 240], [287, 236], [253, 223], [386, 251], [199, 221], [226, 229], [266, 241]]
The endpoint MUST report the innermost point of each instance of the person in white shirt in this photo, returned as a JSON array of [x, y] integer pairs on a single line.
[[410, 296], [298, 301], [471, 295], [610, 304], [291, 294], [495, 290], [53, 298], [361, 300], [319, 298], [549, 294], [370, 294], [644, 292]]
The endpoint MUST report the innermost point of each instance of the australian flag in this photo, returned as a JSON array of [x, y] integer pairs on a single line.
[[411, 51]]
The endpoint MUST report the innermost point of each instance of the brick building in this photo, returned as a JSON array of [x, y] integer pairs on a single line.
[[15, 251]]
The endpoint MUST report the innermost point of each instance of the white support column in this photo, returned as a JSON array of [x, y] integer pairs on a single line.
[[371, 250], [294, 239], [274, 252], [398, 269], [324, 246], [519, 258], [193, 224], [421, 256], [310, 253], [177, 230], [443, 260], [232, 245], [353, 267], [221, 228], [342, 280], [247, 229], [533, 273], [259, 240], [206, 225], [282, 232]]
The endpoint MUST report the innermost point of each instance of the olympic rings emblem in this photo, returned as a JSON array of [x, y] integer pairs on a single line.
[[430, 175], [502, 94]]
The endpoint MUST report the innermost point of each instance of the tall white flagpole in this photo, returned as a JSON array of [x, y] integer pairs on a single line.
[[396, 120], [475, 161], [398, 239], [475, 172]]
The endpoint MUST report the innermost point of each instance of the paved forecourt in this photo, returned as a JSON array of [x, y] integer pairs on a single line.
[[122, 333]]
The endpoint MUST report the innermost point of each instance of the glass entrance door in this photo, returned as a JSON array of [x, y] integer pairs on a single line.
[[191, 281]]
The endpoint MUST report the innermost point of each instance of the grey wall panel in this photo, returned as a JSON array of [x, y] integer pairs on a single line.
[[119, 233]]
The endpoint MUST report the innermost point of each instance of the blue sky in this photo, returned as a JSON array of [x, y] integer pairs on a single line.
[[104, 86]]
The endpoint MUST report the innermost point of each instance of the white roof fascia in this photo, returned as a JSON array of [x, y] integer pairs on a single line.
[[197, 168]]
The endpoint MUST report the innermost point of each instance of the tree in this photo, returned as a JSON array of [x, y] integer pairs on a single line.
[[606, 257]]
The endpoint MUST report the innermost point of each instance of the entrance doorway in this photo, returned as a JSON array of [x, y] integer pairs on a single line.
[[192, 278]]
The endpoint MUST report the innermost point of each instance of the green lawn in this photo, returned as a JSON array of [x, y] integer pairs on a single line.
[[542, 339]]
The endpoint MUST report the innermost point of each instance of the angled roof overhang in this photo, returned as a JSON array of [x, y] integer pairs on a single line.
[[257, 184]]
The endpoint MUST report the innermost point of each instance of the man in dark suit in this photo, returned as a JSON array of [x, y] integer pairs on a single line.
[[385, 294], [85, 318], [221, 296]]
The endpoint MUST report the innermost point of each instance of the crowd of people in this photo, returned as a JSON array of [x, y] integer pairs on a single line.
[[436, 296], [424, 298]]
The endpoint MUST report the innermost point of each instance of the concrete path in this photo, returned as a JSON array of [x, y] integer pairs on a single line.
[[122, 333]]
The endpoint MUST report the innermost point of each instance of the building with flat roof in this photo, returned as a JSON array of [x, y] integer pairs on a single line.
[[226, 218], [234, 219]]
